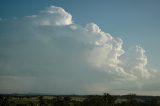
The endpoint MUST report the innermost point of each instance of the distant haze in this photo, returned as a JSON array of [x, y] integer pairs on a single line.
[[48, 52]]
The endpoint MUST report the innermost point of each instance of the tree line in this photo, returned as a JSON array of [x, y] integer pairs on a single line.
[[92, 100]]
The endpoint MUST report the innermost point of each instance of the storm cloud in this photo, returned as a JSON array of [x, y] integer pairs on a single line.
[[50, 53]]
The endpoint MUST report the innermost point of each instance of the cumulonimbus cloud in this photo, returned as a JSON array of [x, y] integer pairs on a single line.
[[50, 45], [55, 16]]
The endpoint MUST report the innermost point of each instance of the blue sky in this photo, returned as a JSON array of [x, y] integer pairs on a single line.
[[136, 22]]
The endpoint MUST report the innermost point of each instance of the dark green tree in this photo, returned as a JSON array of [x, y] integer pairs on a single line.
[[41, 101], [109, 99]]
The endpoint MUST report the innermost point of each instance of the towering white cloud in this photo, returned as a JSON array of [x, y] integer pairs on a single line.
[[52, 16], [93, 28], [51, 50], [136, 61]]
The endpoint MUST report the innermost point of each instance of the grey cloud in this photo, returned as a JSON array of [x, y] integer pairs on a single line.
[[51, 51]]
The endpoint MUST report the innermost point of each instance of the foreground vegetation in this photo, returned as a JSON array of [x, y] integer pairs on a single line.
[[75, 100]]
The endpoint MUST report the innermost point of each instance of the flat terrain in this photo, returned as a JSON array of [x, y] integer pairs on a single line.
[[78, 100]]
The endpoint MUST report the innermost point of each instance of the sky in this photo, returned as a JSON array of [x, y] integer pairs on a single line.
[[80, 46]]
